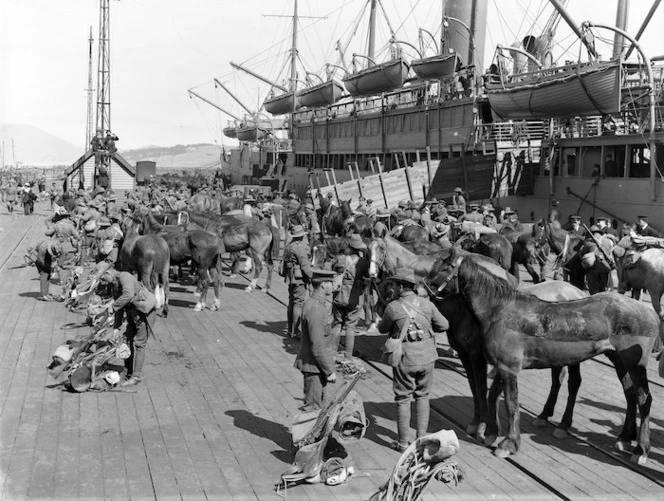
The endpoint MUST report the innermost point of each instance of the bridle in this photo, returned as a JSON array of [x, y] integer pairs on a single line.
[[372, 258], [452, 276]]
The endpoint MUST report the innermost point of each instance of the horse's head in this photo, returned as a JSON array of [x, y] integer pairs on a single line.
[[442, 279], [346, 211], [376, 256]]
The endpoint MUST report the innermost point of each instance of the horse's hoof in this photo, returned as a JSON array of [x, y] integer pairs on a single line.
[[197, 294], [481, 432], [501, 453], [639, 459], [471, 430], [623, 445], [489, 440], [199, 307], [561, 433], [216, 305], [232, 275], [539, 422], [248, 288]]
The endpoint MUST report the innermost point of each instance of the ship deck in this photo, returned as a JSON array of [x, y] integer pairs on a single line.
[[211, 420]]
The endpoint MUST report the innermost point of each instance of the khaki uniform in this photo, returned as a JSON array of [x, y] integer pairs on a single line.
[[414, 375], [298, 273], [316, 357]]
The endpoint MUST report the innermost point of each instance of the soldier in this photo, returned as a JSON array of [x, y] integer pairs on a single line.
[[511, 219], [458, 200], [316, 357], [354, 268], [312, 223], [46, 254], [597, 261], [381, 227], [370, 210], [489, 217], [474, 215], [574, 226], [125, 288], [644, 229], [414, 319], [297, 271], [554, 216]]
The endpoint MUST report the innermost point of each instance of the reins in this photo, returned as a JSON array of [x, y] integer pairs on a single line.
[[453, 274]]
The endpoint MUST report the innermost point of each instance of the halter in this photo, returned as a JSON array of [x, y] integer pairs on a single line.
[[453, 274], [381, 243]]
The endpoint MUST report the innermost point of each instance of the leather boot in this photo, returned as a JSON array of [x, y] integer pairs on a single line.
[[422, 410]]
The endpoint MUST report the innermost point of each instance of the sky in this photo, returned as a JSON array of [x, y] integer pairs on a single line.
[[162, 48]]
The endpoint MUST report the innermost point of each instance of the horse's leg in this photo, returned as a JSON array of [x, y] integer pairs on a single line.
[[512, 441], [204, 279], [235, 256], [258, 267], [643, 399], [557, 377], [628, 432], [573, 385], [493, 422], [471, 429], [476, 366], [514, 270], [656, 297]]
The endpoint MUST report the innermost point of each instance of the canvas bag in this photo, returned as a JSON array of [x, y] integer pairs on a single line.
[[144, 300]]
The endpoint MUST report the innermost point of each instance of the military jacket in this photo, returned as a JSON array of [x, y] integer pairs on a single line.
[[297, 254], [316, 351], [419, 345]]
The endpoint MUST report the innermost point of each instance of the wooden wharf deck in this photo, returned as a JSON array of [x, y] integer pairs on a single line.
[[211, 420]]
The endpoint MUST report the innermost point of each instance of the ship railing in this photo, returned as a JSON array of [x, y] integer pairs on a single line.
[[511, 131]]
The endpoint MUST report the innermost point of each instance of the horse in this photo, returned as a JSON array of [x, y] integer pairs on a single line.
[[520, 331], [227, 204], [201, 202], [412, 233], [243, 233], [492, 245], [564, 244], [147, 255], [334, 221], [529, 248], [203, 249], [388, 254], [647, 272]]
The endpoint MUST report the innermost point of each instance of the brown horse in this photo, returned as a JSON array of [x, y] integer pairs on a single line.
[[334, 221], [564, 245], [203, 249], [201, 202], [492, 245], [243, 233], [147, 255], [387, 254], [529, 248], [520, 332]]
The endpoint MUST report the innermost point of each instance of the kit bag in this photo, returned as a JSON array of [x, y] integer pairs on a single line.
[[144, 301]]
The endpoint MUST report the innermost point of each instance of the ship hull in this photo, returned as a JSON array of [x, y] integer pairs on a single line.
[[376, 79], [323, 94], [588, 90], [439, 66]]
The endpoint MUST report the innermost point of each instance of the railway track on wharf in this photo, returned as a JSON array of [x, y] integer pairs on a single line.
[[595, 447]]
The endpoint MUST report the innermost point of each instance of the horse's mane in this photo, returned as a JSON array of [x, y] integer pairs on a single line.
[[475, 279]]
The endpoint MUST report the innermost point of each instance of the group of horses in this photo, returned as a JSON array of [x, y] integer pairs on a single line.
[[550, 324]]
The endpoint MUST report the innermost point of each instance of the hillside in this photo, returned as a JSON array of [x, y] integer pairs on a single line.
[[29, 145], [181, 156]]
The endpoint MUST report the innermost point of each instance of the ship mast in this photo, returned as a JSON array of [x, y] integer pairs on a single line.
[[89, 125], [372, 32], [293, 69]]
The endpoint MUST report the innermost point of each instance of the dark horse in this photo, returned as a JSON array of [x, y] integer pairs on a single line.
[[147, 255], [521, 332], [203, 249], [529, 248], [243, 233], [492, 245], [564, 245], [334, 221], [465, 337]]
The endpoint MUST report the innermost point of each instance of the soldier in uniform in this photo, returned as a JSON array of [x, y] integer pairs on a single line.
[[458, 200], [370, 210], [512, 220], [381, 227], [316, 357], [554, 216], [413, 378], [312, 223], [489, 217], [645, 230], [297, 274], [474, 215], [125, 287], [354, 268], [46, 254]]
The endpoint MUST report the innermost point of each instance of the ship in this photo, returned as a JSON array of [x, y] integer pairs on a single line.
[[519, 131]]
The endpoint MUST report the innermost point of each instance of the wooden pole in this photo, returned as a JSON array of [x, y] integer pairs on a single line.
[[334, 178], [382, 186], [410, 186], [429, 166]]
